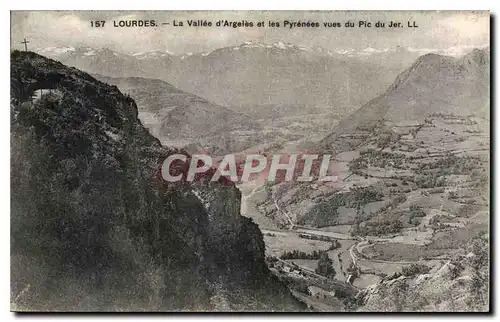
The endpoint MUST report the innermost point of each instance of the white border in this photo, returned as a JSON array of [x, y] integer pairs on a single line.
[[199, 5], [255, 5]]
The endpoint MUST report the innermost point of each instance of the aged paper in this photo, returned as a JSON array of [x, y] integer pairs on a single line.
[[278, 161]]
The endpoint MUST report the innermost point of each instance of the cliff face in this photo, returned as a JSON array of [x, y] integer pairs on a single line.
[[91, 227]]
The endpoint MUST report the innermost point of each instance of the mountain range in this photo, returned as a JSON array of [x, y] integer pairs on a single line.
[[254, 77]]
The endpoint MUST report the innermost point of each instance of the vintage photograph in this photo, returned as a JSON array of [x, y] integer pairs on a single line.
[[250, 161]]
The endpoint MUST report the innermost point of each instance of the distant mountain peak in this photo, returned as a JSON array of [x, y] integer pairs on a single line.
[[252, 44], [152, 54], [59, 50]]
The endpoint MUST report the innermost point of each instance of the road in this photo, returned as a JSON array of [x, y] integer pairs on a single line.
[[296, 229], [292, 225], [345, 287], [354, 256]]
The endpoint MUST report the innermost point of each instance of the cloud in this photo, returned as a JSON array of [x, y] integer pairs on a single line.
[[468, 25], [462, 29]]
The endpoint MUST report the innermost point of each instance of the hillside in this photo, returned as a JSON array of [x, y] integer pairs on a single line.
[[93, 228], [433, 84], [174, 116], [457, 285], [151, 95]]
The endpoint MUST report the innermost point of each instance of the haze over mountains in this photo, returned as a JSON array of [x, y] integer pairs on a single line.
[[227, 85], [320, 81], [255, 77], [254, 74]]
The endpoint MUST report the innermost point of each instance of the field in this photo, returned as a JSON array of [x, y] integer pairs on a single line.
[[419, 199]]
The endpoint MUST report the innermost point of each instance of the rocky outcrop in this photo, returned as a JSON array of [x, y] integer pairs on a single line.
[[92, 226], [460, 284]]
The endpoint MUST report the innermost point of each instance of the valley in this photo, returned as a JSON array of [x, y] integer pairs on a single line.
[[417, 221], [412, 193]]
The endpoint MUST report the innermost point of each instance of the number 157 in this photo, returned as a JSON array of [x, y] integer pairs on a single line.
[[97, 23]]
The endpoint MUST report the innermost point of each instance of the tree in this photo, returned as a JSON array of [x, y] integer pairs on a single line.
[[415, 269], [325, 266], [335, 244]]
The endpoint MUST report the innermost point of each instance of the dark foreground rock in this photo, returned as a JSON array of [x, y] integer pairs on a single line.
[[93, 229]]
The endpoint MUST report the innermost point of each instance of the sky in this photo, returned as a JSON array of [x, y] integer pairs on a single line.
[[449, 31]]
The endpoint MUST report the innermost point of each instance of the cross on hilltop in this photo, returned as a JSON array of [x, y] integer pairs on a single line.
[[25, 42]]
